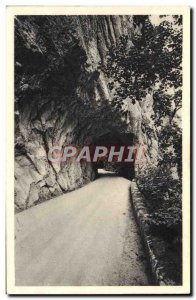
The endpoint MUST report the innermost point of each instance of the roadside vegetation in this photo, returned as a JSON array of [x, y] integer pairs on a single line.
[[153, 61]]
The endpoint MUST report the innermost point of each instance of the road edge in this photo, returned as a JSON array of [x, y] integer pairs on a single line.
[[159, 274]]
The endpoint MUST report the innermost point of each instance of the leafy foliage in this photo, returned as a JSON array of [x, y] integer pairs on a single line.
[[163, 199], [153, 62]]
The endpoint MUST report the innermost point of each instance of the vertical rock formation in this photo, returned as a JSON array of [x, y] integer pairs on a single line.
[[57, 86]]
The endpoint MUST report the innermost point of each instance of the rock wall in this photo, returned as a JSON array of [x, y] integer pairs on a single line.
[[56, 62]]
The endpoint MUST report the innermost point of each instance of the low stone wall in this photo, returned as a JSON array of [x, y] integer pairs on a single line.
[[155, 247]]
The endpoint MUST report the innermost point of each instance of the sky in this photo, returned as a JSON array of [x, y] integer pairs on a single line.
[[156, 20]]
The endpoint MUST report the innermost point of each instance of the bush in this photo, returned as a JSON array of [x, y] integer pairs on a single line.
[[163, 198]]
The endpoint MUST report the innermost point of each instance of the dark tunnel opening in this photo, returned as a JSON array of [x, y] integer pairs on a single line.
[[124, 169]]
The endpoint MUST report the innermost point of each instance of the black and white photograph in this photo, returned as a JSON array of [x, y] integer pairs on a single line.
[[98, 193]]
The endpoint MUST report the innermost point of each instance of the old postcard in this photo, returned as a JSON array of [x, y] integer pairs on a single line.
[[98, 150]]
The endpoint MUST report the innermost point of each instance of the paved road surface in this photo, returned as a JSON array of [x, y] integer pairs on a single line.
[[86, 237]]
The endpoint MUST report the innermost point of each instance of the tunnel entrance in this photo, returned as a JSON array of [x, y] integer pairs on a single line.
[[124, 169]]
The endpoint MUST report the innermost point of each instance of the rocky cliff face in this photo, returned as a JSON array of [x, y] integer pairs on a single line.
[[60, 96]]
